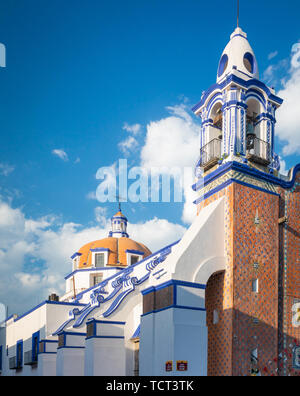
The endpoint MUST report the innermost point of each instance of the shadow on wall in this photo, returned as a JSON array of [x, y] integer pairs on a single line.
[[240, 344]]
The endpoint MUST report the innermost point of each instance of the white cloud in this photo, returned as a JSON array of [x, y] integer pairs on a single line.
[[172, 141], [283, 170], [272, 55], [91, 195], [128, 145], [61, 154], [35, 253], [156, 233], [6, 169], [101, 217], [288, 116], [269, 73], [134, 129]]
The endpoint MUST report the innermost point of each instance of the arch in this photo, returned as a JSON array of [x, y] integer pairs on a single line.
[[211, 266], [250, 63], [217, 98], [258, 97], [255, 107], [214, 305], [223, 65]]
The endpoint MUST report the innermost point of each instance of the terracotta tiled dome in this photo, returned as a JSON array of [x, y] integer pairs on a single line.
[[117, 255]]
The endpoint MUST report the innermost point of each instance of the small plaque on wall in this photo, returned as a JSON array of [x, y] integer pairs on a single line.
[[169, 366], [296, 314], [182, 365], [296, 358]]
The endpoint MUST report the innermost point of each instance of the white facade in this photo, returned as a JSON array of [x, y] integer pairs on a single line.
[[100, 324]]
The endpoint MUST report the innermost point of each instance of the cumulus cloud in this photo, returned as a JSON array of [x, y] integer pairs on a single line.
[[61, 154], [272, 55], [135, 129], [173, 142], [288, 116], [6, 169], [156, 233], [128, 145], [35, 253]]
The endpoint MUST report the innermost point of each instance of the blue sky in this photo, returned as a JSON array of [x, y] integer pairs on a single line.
[[79, 75]]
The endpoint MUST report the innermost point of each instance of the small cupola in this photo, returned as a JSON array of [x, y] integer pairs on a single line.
[[238, 55], [119, 226]]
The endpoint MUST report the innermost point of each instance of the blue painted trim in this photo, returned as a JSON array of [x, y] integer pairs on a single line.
[[76, 255], [226, 184], [47, 302], [71, 347], [19, 355], [124, 234], [106, 322], [9, 318], [246, 84], [174, 306], [114, 337], [92, 269], [119, 218], [79, 296], [100, 250], [173, 282], [137, 332], [135, 252], [234, 103], [243, 168], [35, 345], [50, 341], [239, 35]]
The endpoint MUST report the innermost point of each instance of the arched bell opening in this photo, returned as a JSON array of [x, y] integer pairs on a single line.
[[253, 112], [258, 150], [211, 152]]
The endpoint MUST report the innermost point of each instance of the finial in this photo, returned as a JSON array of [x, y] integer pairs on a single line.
[[118, 197], [238, 12]]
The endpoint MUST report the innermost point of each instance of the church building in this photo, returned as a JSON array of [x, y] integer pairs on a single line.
[[222, 301]]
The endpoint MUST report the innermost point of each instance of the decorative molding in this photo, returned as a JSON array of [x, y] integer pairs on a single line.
[[115, 289]]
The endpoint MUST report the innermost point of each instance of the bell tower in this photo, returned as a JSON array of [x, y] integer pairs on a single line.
[[238, 112], [250, 305]]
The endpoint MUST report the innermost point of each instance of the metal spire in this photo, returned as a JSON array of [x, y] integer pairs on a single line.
[[118, 197], [238, 12]]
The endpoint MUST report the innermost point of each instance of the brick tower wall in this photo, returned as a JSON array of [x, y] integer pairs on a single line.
[[254, 250]]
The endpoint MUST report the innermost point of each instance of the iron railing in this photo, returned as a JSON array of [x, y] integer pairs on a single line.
[[258, 150], [210, 153]]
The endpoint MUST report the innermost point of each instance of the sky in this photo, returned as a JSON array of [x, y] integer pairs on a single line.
[[89, 82]]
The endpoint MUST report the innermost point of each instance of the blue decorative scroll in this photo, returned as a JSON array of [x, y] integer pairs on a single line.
[[116, 289]]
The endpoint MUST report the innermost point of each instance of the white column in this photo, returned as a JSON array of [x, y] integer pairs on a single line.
[[47, 358], [70, 354], [174, 333], [105, 353]]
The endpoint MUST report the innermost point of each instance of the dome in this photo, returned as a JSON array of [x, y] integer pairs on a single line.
[[117, 248], [238, 55]]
